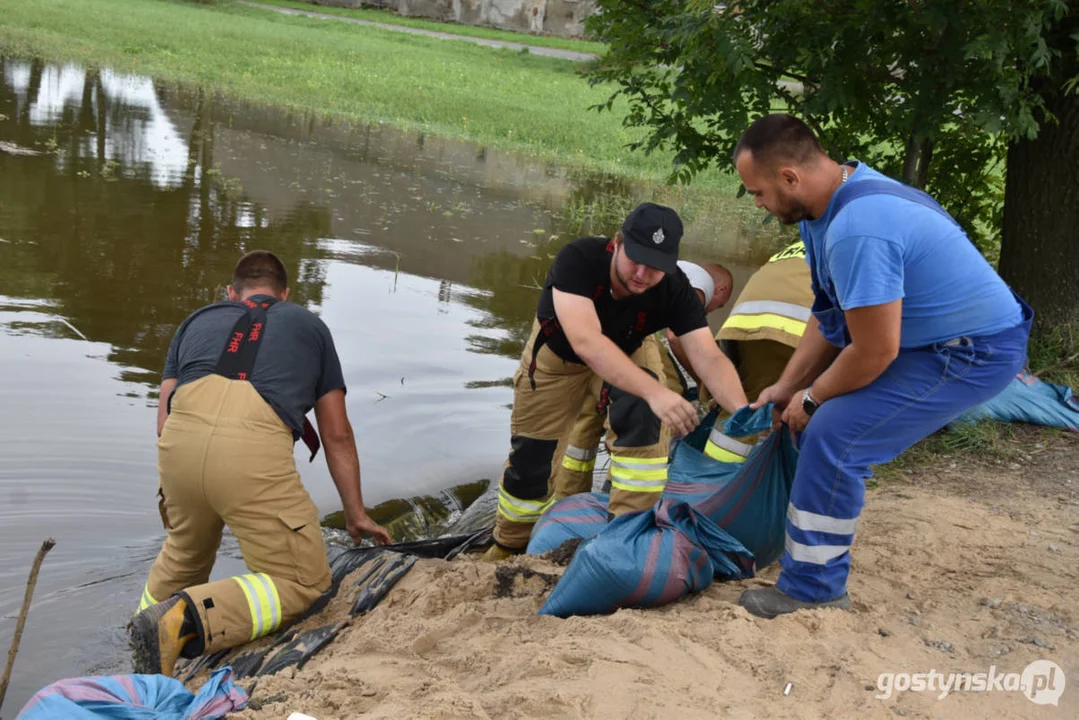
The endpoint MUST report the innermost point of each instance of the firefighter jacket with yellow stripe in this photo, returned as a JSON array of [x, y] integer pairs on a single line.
[[774, 307], [775, 304]]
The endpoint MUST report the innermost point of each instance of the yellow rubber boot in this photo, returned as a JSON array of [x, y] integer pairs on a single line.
[[497, 553], [156, 636]]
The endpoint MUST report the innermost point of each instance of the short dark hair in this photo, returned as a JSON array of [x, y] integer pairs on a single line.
[[779, 138], [260, 268]]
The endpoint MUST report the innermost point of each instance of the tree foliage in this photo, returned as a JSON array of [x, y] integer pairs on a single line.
[[927, 91]]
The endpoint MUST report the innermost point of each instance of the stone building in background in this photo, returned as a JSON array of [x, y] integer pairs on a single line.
[[564, 18]]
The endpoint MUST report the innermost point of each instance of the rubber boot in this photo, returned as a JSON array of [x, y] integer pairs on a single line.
[[770, 601], [497, 553], [158, 636]]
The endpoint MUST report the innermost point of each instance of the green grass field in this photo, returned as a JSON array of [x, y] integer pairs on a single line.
[[392, 18], [509, 100]]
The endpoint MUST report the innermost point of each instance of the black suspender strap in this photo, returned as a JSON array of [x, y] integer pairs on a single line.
[[237, 359], [547, 329]]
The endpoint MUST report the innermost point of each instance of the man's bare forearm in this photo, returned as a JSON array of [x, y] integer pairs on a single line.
[[876, 334], [344, 465], [715, 369], [723, 382], [609, 362], [853, 369]]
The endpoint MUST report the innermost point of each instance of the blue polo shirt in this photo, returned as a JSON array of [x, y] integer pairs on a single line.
[[880, 248]]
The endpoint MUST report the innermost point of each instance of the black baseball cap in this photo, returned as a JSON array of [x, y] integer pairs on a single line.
[[650, 236]]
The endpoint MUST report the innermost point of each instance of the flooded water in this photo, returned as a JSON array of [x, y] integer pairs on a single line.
[[124, 205]]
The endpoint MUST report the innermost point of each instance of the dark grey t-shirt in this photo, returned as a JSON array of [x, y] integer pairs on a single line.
[[296, 365]]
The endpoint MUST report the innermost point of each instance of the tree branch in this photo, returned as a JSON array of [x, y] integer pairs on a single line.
[[31, 583]]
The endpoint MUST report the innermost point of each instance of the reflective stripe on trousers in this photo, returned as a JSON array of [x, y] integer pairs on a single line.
[[147, 598], [579, 459], [262, 601], [634, 474], [517, 510], [724, 448], [808, 522]]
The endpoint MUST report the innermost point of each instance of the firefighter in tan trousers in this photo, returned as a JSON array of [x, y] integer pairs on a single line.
[[239, 379], [712, 284], [600, 300], [760, 334]]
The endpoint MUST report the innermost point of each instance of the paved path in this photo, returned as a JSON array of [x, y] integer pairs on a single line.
[[534, 49]]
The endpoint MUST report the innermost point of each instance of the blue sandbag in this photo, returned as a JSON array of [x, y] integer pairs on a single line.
[[135, 697], [749, 500], [647, 559], [576, 517], [1030, 400]]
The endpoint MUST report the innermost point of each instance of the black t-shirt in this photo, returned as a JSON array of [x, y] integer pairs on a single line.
[[583, 267]]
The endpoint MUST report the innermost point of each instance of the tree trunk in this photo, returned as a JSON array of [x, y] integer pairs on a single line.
[[910, 161], [1039, 254], [925, 158], [916, 162]]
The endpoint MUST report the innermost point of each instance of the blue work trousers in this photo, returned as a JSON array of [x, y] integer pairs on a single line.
[[921, 391]]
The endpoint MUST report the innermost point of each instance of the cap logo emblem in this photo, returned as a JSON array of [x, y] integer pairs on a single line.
[[658, 236]]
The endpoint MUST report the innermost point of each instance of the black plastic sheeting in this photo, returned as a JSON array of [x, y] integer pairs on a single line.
[[382, 567]]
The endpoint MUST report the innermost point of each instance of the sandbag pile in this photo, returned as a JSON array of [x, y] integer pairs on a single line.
[[714, 520], [748, 500], [647, 559]]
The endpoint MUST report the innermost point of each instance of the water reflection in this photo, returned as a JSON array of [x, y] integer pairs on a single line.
[[122, 224], [148, 193], [511, 288], [127, 121]]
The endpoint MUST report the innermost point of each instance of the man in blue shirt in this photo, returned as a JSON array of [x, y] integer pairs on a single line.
[[911, 327]]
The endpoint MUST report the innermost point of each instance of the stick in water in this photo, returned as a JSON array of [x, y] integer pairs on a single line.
[[30, 583]]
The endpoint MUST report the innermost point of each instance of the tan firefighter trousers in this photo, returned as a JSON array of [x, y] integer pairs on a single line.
[[225, 458], [574, 471], [540, 427]]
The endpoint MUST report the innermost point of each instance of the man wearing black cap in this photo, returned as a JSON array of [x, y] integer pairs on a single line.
[[601, 299]]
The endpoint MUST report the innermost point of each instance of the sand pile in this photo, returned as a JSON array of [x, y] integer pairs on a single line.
[[947, 577]]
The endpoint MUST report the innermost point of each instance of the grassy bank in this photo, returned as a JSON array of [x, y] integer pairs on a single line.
[[392, 18], [509, 100], [1054, 355]]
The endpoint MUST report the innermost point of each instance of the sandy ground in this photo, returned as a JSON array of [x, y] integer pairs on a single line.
[[957, 570]]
